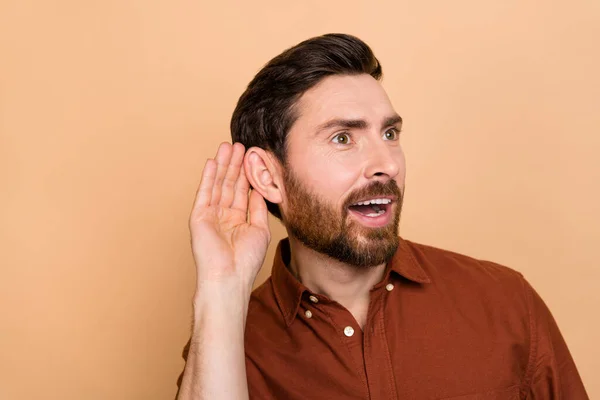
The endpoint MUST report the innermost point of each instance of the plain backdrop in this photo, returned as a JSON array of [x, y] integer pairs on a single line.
[[108, 110]]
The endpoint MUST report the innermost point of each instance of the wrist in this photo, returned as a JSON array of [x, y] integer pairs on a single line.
[[228, 299]]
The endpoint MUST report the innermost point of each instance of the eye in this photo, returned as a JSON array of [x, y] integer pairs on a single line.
[[341, 138], [391, 134]]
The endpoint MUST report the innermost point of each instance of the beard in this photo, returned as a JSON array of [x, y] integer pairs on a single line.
[[323, 228]]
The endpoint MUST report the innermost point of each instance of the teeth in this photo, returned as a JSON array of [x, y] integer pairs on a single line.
[[373, 201], [375, 214]]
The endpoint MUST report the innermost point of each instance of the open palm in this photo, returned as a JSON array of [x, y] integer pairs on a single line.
[[230, 230]]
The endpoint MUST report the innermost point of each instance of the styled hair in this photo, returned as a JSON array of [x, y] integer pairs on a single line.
[[265, 111]]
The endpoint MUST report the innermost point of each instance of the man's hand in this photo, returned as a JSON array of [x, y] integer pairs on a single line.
[[230, 230], [230, 235]]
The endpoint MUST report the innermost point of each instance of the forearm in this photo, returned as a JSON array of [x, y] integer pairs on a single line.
[[215, 367]]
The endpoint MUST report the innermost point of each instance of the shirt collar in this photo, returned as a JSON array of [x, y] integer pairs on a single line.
[[288, 290]]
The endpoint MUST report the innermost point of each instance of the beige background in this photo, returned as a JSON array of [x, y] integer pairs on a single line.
[[108, 110]]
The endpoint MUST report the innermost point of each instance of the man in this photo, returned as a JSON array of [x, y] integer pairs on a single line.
[[351, 311]]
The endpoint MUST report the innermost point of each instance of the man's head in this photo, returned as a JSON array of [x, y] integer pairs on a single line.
[[323, 138]]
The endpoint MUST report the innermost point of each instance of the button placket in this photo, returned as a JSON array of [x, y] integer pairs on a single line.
[[377, 361]]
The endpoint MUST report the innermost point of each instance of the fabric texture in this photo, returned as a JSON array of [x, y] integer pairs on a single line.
[[452, 327], [440, 325]]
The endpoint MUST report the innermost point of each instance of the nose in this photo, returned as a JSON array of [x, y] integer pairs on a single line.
[[384, 162]]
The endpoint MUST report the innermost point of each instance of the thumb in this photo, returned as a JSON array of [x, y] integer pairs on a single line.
[[259, 215]]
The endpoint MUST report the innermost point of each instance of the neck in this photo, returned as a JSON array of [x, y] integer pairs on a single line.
[[346, 284]]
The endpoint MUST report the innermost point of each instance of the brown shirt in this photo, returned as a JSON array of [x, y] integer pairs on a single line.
[[440, 325]]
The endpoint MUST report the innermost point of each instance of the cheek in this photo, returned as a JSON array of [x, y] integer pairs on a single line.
[[329, 176], [335, 178]]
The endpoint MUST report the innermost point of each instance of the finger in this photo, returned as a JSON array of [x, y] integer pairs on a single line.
[[232, 175], [259, 215], [240, 198], [223, 157], [204, 192]]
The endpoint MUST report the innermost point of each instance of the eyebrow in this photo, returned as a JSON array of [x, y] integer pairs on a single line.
[[356, 123]]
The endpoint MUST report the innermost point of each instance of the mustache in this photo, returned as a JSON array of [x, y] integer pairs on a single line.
[[373, 190]]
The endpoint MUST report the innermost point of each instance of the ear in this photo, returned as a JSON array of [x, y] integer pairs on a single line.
[[263, 172]]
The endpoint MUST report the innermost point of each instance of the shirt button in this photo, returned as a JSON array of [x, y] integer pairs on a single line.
[[348, 331], [308, 314], [313, 299], [389, 287]]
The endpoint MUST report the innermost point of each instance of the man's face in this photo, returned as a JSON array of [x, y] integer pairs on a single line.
[[344, 150]]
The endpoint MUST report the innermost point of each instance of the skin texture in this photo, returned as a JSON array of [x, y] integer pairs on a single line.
[[326, 170], [230, 235], [333, 170]]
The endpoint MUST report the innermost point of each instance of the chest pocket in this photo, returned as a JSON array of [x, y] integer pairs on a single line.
[[511, 393]]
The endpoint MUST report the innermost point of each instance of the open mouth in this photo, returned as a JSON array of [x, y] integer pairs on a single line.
[[372, 208], [374, 212]]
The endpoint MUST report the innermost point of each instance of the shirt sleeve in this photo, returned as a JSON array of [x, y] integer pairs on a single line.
[[552, 373]]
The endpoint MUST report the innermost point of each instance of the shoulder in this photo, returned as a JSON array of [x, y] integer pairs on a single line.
[[471, 279], [441, 263], [265, 330], [263, 302], [264, 314]]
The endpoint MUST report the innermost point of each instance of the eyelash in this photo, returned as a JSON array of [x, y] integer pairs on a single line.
[[395, 130]]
